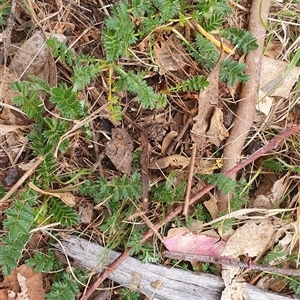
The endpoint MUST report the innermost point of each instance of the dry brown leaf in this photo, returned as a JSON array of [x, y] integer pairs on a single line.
[[175, 160], [274, 79], [34, 58], [165, 59], [212, 207], [168, 140], [86, 212], [119, 150], [5, 129], [264, 103], [251, 240], [23, 295], [23, 284], [235, 290], [12, 119], [10, 115], [268, 282], [274, 48], [207, 101], [217, 131], [274, 195]]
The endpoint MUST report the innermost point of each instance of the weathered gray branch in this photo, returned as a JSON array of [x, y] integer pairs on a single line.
[[155, 281]]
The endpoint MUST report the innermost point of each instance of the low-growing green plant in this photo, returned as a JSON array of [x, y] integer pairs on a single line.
[[128, 294], [128, 24], [65, 286], [4, 11], [168, 191], [277, 164]]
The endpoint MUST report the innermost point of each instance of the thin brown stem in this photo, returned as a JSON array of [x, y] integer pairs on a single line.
[[229, 262]]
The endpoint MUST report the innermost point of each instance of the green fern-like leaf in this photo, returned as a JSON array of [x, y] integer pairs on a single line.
[[204, 52], [86, 69], [232, 71], [240, 38], [167, 8], [4, 11], [139, 8], [60, 49], [19, 222], [294, 284], [11, 252], [208, 7], [67, 102], [19, 219], [128, 294], [214, 22], [135, 84], [44, 262], [197, 83], [274, 165], [63, 214], [202, 214], [119, 33], [29, 99], [126, 188], [166, 191], [54, 129], [64, 287], [112, 46], [226, 185]]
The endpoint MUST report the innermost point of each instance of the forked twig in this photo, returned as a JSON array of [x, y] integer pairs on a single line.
[[274, 143]]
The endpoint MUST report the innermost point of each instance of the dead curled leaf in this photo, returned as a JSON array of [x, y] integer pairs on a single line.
[[252, 239], [5, 129], [119, 150], [65, 197], [168, 140], [175, 160], [277, 79], [273, 196], [165, 59], [9, 116], [207, 102], [23, 284], [217, 131], [185, 241], [34, 58]]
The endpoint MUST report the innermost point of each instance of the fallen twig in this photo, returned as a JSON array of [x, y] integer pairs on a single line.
[[271, 145], [189, 183], [230, 262], [152, 280], [6, 35], [22, 179], [144, 161], [246, 109]]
